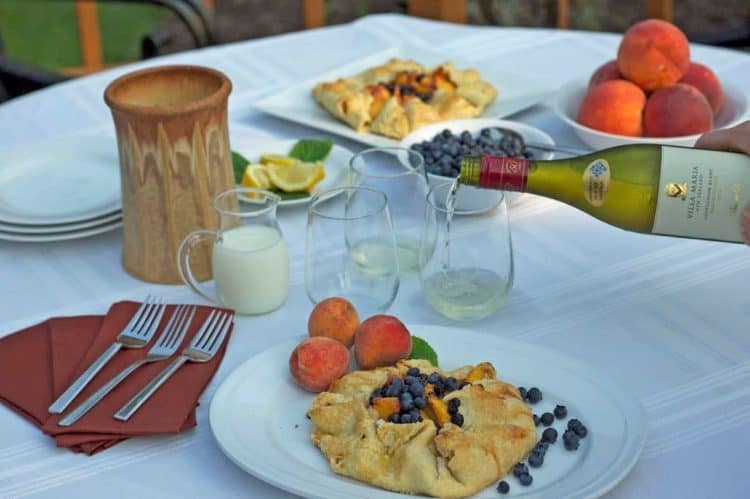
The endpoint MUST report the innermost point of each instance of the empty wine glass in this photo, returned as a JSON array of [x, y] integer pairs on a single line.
[[466, 271], [341, 256], [400, 174]]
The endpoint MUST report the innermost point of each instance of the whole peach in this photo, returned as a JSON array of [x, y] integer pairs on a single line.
[[614, 106], [653, 54], [607, 71], [677, 110], [705, 80], [335, 318], [317, 362], [381, 340]]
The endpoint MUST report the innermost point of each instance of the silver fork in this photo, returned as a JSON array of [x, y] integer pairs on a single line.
[[136, 334], [204, 346], [167, 344]]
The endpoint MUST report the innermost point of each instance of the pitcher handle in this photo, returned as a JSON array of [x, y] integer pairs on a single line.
[[183, 261]]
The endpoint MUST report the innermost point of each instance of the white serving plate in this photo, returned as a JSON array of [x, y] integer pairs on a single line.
[[68, 179], [472, 198], [336, 164], [297, 104], [49, 237], [570, 96], [258, 419], [70, 227]]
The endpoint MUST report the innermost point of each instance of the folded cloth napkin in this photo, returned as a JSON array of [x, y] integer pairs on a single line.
[[38, 363]]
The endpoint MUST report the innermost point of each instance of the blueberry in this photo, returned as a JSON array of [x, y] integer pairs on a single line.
[[520, 469], [406, 418], [433, 378], [571, 440], [394, 418], [573, 422], [536, 460], [415, 415], [560, 411], [413, 371], [536, 420], [417, 389], [453, 405], [409, 379], [526, 479], [547, 418], [457, 419], [451, 384], [446, 133], [503, 486], [407, 401], [522, 392], [420, 402], [395, 388], [465, 136], [534, 395], [486, 132], [383, 391], [541, 446], [581, 431], [549, 435]]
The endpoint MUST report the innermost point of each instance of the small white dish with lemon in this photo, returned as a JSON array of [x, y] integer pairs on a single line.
[[293, 169]]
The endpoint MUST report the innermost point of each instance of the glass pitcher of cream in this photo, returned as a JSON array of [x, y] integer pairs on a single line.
[[249, 260]]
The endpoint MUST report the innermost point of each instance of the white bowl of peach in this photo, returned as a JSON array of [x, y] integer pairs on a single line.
[[651, 93]]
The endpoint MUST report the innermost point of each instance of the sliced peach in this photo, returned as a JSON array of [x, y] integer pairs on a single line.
[[385, 406], [480, 372], [439, 410]]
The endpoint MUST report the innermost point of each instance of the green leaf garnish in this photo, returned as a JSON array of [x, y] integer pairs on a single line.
[[311, 150], [289, 196], [420, 349], [239, 164]]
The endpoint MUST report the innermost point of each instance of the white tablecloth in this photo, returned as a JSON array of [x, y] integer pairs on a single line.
[[667, 317]]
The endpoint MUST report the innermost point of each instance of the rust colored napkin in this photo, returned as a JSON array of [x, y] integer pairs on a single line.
[[38, 363]]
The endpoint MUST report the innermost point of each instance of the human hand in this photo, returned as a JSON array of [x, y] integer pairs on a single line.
[[735, 139]]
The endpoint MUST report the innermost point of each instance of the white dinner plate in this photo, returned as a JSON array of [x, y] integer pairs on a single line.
[[258, 419], [68, 179], [70, 227], [297, 104], [49, 237], [336, 164]]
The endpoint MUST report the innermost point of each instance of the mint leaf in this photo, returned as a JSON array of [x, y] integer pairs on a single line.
[[311, 150], [420, 349], [288, 196], [239, 164]]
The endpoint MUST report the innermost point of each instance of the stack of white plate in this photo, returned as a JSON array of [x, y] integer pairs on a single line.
[[65, 188]]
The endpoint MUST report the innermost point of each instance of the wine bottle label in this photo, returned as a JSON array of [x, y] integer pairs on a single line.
[[502, 173], [702, 194], [596, 182]]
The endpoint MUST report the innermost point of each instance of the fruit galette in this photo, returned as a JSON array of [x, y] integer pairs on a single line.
[[414, 428], [401, 96]]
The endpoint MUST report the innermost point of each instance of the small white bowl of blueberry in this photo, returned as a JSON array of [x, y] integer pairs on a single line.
[[444, 144]]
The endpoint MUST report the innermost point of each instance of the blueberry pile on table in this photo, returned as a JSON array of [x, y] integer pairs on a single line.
[[444, 152]]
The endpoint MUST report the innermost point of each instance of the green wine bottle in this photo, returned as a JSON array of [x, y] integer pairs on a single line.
[[647, 188]]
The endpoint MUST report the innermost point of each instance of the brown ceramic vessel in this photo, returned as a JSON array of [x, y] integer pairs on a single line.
[[173, 141]]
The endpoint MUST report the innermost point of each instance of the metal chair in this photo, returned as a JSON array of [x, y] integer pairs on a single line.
[[18, 78]]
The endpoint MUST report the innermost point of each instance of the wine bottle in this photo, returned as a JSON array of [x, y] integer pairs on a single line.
[[647, 188]]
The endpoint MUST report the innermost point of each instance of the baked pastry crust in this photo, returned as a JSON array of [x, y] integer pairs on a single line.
[[370, 101], [420, 458]]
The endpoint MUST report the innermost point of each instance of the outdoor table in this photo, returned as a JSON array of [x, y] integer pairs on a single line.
[[669, 318]]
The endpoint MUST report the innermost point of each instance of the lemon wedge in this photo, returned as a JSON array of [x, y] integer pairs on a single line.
[[277, 159], [299, 176], [256, 176]]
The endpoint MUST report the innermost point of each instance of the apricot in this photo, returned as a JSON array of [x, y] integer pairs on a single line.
[[705, 80], [385, 406], [677, 110], [335, 318], [317, 362], [653, 54], [607, 71], [381, 340], [614, 106]]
